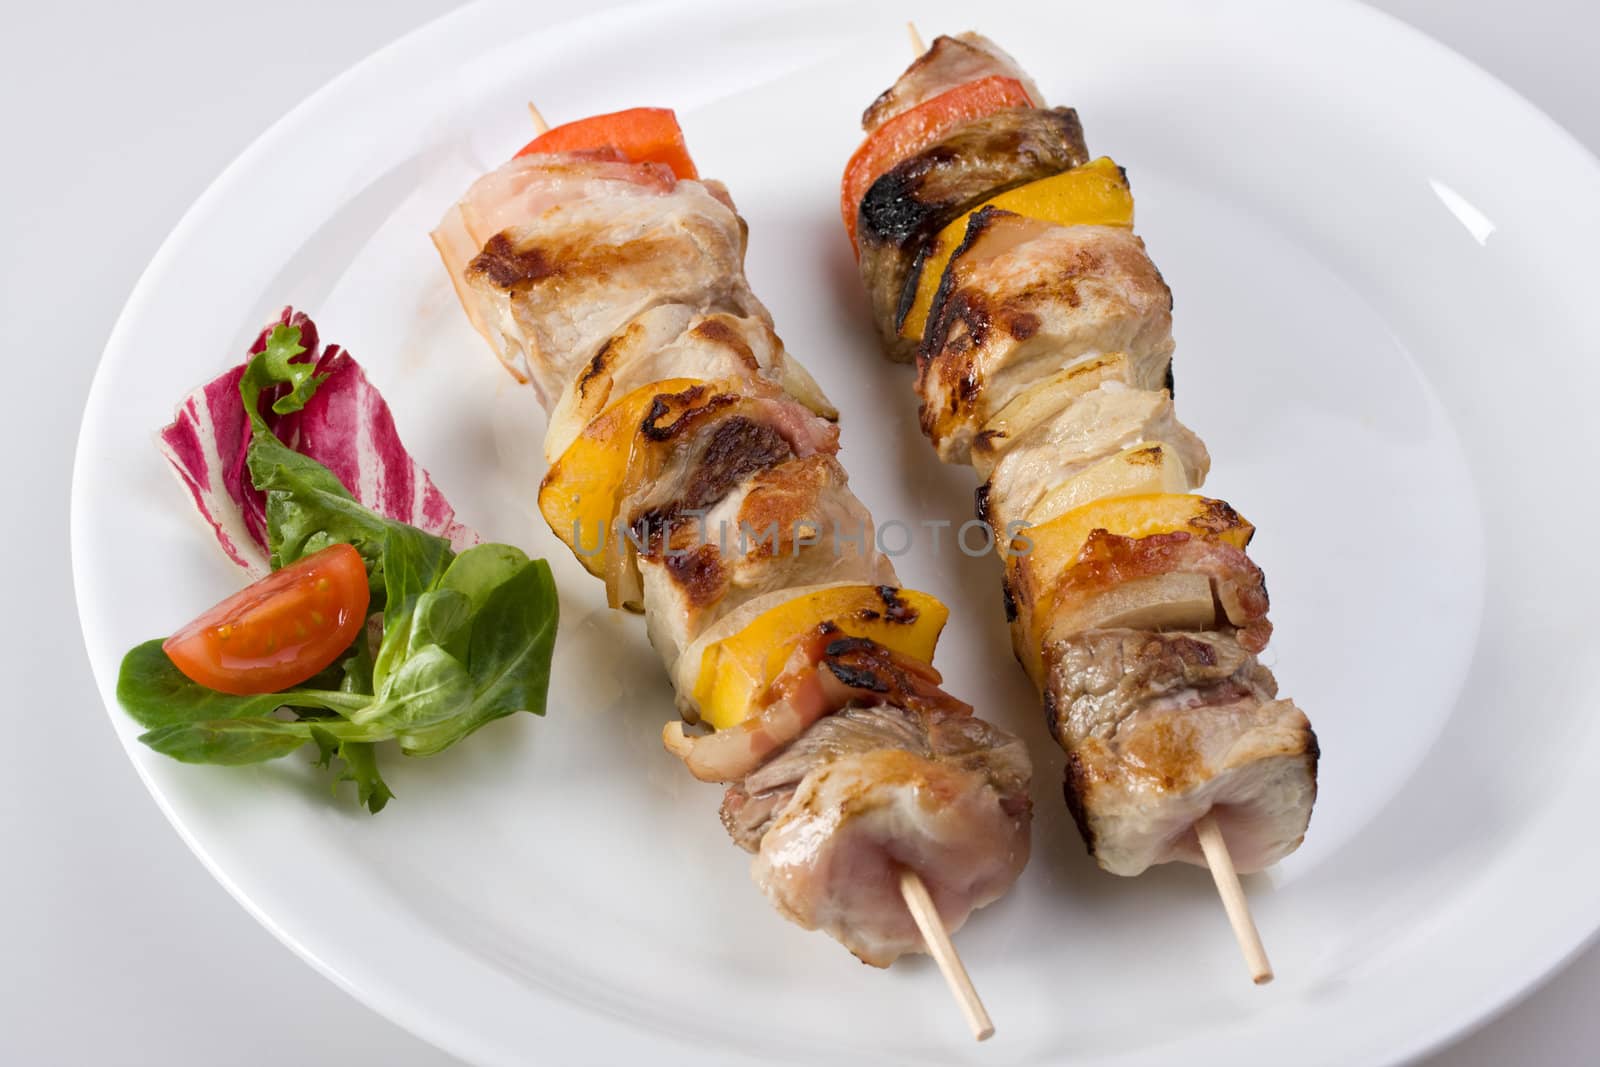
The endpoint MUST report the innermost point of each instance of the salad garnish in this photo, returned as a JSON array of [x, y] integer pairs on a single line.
[[448, 640]]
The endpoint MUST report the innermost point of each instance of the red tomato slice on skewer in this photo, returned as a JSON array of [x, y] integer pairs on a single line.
[[280, 631], [911, 131], [641, 134]]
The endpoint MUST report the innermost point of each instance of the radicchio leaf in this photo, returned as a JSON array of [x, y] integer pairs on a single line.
[[346, 426]]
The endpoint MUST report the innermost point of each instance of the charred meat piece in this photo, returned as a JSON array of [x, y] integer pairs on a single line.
[[678, 341], [1091, 427], [1164, 581], [552, 289], [907, 206], [1023, 299], [826, 671], [692, 449], [871, 791], [792, 525], [1163, 728]]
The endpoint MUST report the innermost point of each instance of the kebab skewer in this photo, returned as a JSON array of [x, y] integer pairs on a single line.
[[693, 469], [1001, 258]]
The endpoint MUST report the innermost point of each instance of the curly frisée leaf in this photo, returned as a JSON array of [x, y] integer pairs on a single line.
[[273, 367], [358, 763]]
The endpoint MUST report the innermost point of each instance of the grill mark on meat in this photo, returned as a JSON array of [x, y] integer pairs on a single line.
[[967, 389], [690, 411], [908, 291], [1075, 786], [980, 502], [842, 645], [597, 365], [717, 331], [700, 573], [507, 266], [1146, 457], [511, 267], [784, 497], [896, 609], [943, 315], [1010, 599], [1022, 325], [988, 443], [1218, 516], [737, 448], [857, 678]]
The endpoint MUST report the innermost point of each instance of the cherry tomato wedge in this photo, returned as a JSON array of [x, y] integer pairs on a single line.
[[911, 131], [280, 631], [641, 134]]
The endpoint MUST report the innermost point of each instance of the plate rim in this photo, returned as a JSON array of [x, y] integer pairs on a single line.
[[1450, 1025]]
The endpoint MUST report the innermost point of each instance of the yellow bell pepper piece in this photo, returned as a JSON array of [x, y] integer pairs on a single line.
[[735, 671], [579, 492], [1053, 547], [1095, 194], [1057, 543]]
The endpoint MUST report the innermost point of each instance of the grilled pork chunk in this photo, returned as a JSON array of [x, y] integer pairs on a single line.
[[787, 526], [1171, 581], [870, 791], [1022, 300], [554, 286], [678, 341], [1163, 728], [948, 62], [826, 671], [1098, 424], [690, 450], [917, 197]]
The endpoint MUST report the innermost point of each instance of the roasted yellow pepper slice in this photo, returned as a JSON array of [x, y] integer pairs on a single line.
[[1095, 194], [579, 492], [735, 671], [1053, 547], [1057, 543]]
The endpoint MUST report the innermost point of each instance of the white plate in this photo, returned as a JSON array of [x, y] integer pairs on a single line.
[[1382, 262]]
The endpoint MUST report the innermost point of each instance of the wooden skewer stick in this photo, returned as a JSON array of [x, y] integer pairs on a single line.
[[539, 124], [916, 39], [920, 903], [1233, 899]]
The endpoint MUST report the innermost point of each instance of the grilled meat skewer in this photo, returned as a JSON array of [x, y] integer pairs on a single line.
[[996, 251], [613, 284]]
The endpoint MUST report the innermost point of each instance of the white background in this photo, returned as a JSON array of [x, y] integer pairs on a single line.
[[115, 946]]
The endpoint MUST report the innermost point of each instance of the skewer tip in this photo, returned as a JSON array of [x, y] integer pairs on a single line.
[[920, 903], [1220, 860], [539, 124], [916, 38]]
